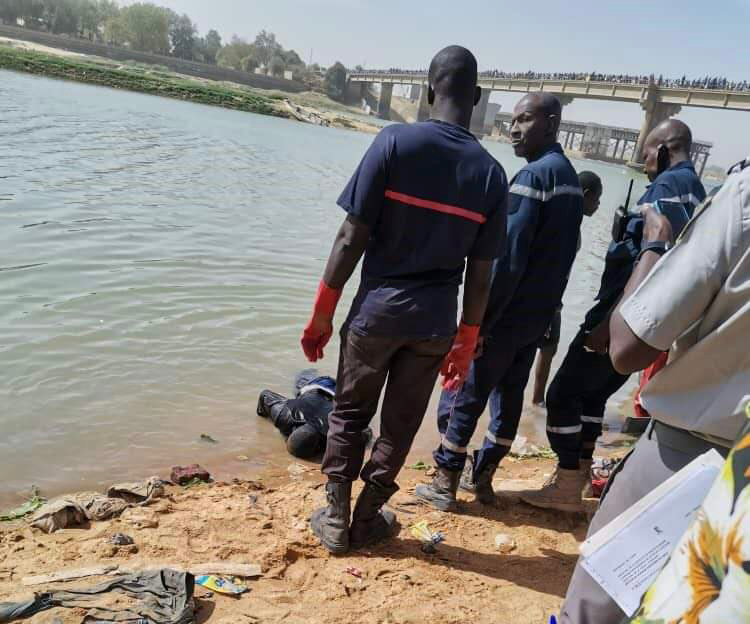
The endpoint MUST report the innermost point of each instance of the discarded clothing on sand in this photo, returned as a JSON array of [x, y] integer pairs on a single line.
[[159, 597], [140, 492], [75, 509]]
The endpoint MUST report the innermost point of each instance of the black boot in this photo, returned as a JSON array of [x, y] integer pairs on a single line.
[[441, 493], [370, 523], [331, 524], [483, 485]]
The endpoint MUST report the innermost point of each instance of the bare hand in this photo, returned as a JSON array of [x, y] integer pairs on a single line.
[[656, 227]]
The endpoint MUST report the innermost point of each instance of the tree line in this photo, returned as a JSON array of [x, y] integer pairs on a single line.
[[151, 28]]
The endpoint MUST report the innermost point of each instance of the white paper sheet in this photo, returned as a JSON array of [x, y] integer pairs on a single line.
[[626, 555]]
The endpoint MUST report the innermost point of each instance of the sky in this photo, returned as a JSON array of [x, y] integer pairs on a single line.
[[609, 36]]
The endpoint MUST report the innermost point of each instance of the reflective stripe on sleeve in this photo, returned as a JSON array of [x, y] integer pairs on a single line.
[[453, 447], [495, 440], [592, 419], [541, 195], [565, 430], [689, 198]]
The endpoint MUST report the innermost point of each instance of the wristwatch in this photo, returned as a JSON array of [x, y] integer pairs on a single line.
[[659, 247]]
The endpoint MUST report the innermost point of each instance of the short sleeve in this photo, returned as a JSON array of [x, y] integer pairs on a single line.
[[656, 191], [682, 285], [363, 196], [491, 237]]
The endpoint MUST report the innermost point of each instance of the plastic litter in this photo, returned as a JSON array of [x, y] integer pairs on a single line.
[[354, 572], [504, 543], [420, 465], [221, 585], [28, 507], [120, 539], [425, 534]]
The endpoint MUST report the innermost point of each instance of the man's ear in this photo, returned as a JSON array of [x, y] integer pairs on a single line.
[[552, 122], [430, 95], [477, 94]]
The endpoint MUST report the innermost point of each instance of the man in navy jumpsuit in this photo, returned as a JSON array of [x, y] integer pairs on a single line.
[[578, 394], [426, 201], [544, 216]]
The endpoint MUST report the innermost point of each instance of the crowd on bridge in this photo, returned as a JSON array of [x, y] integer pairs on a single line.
[[706, 82]]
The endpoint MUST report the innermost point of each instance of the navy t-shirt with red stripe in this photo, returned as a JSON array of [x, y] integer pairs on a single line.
[[433, 196]]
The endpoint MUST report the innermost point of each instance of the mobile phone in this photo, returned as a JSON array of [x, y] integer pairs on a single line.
[[675, 212]]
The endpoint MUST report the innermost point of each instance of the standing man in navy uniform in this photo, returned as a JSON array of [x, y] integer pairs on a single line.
[[578, 394], [425, 197], [544, 216]]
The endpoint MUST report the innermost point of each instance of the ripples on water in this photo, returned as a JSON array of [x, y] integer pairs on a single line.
[[157, 262]]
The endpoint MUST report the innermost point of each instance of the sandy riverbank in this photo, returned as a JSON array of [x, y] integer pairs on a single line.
[[306, 107], [265, 522]]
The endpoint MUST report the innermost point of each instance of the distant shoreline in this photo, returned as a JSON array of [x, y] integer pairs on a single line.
[[84, 70], [305, 107]]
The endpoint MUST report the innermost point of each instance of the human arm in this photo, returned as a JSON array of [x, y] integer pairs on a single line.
[[362, 200], [666, 297], [629, 353], [523, 217], [490, 243]]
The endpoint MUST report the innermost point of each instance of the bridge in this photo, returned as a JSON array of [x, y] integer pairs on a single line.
[[658, 102]]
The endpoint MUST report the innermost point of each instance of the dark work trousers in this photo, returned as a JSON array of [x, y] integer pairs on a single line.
[[576, 400], [411, 368], [498, 375]]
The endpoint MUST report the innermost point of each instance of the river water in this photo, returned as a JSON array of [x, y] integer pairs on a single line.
[[158, 260]]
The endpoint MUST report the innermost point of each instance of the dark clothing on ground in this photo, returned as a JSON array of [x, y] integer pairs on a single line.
[[157, 597], [411, 368], [433, 197], [576, 401], [303, 420], [544, 218]]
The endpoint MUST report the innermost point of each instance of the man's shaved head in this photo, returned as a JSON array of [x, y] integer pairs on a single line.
[[673, 133], [536, 120], [453, 73], [665, 146], [545, 103]]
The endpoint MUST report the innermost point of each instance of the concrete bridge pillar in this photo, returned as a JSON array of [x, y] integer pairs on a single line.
[[355, 92], [423, 110], [479, 114], [656, 112], [415, 92], [384, 102]]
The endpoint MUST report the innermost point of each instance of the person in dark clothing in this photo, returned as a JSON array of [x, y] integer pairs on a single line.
[[544, 217], [578, 394], [425, 198], [591, 186], [303, 420]]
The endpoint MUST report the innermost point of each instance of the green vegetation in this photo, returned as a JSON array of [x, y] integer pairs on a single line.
[[335, 81], [155, 29], [137, 79]]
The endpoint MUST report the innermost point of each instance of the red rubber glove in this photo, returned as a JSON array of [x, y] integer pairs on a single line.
[[456, 365], [319, 329]]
